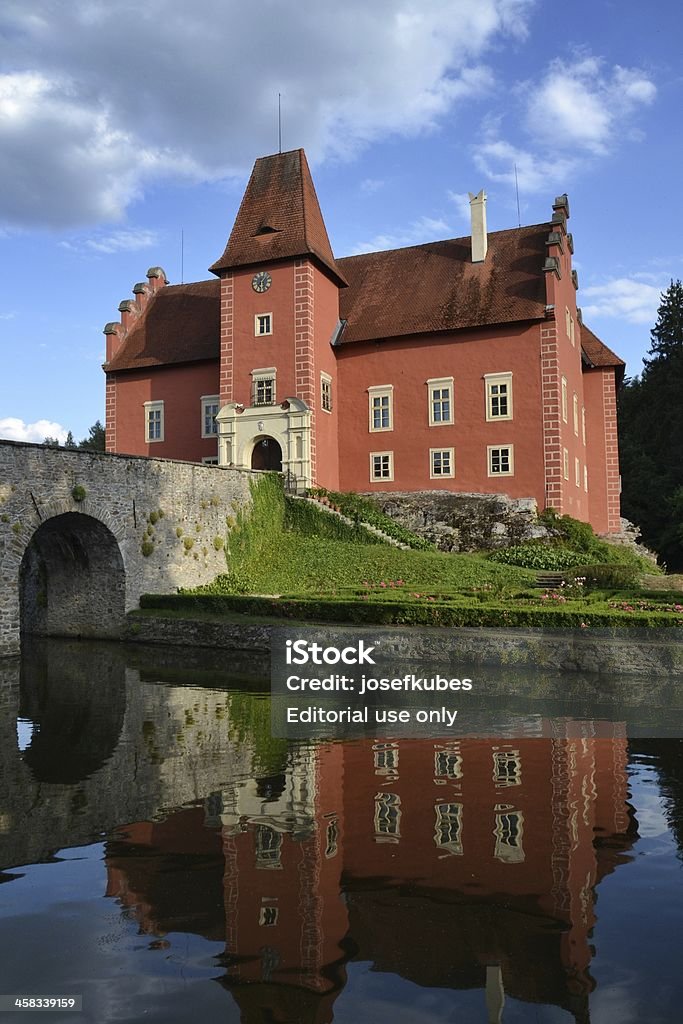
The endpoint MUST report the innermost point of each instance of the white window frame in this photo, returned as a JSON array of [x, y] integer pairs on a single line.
[[268, 916], [450, 452], [492, 380], [440, 384], [448, 827], [325, 383], [153, 407], [263, 374], [387, 817], [381, 479], [260, 322], [572, 331], [379, 391], [510, 448], [575, 412], [568, 321], [585, 479], [447, 763], [207, 400], [565, 463], [577, 472], [564, 400], [507, 768], [210, 460], [505, 850]]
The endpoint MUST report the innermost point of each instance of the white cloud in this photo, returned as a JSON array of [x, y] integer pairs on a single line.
[[116, 241], [14, 429], [425, 229], [584, 104], [104, 98], [578, 111], [7, 316], [633, 299], [498, 159]]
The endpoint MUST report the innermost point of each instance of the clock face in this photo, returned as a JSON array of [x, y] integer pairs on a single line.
[[262, 281]]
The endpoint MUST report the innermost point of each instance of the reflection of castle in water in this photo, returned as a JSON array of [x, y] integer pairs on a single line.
[[465, 864]]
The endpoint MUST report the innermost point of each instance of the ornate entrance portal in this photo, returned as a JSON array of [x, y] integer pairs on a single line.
[[267, 454]]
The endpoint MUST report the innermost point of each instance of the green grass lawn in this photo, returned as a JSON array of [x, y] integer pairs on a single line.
[[300, 565]]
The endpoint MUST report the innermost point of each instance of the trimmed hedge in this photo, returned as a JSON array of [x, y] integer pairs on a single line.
[[403, 613], [605, 577]]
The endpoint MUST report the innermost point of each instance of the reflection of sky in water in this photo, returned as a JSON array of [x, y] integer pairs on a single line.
[[639, 931], [86, 945], [25, 730]]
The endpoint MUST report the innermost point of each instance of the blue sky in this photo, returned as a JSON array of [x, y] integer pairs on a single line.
[[123, 124]]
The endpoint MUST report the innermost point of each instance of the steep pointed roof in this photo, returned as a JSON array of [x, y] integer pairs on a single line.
[[279, 217]]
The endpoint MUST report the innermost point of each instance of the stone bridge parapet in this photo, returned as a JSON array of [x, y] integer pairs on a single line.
[[83, 534]]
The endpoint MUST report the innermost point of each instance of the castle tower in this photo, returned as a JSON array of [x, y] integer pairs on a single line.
[[279, 318]]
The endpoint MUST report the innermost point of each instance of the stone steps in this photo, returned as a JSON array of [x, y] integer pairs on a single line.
[[374, 530], [549, 580]]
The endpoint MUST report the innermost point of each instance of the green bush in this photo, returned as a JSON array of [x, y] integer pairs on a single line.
[[538, 555], [78, 492], [604, 577], [147, 548]]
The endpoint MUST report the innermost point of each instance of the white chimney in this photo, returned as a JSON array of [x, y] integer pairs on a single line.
[[479, 236]]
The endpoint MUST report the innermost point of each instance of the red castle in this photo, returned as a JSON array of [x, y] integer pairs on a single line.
[[459, 365]]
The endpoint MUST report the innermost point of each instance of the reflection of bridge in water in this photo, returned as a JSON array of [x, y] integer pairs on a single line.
[[456, 865]]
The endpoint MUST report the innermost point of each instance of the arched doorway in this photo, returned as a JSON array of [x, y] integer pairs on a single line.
[[72, 580], [267, 454]]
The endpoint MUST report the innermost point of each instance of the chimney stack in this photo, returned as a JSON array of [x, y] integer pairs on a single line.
[[479, 236]]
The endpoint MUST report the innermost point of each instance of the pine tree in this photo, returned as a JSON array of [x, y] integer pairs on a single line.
[[651, 436], [667, 333]]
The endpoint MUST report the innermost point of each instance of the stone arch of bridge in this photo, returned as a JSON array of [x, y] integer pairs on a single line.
[[71, 574]]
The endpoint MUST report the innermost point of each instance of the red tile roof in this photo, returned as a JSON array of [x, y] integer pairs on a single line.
[[436, 287], [279, 217], [596, 351], [180, 325]]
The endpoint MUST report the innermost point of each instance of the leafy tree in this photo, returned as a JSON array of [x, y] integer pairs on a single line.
[[651, 436]]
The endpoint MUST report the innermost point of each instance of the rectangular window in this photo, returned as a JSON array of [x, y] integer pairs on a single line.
[[210, 460], [154, 421], [507, 768], [572, 333], [501, 460], [263, 324], [577, 472], [441, 463], [509, 832], [498, 396], [381, 407], [448, 763], [385, 757], [583, 424], [325, 392], [585, 479], [332, 838], [387, 818], [263, 386], [440, 401], [575, 411], [568, 321], [268, 916], [448, 830], [268, 844], [565, 464], [381, 466], [209, 413], [564, 399]]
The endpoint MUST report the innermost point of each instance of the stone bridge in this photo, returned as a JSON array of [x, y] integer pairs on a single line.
[[84, 534]]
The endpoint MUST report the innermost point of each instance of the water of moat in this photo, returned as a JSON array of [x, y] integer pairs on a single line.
[[164, 857]]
